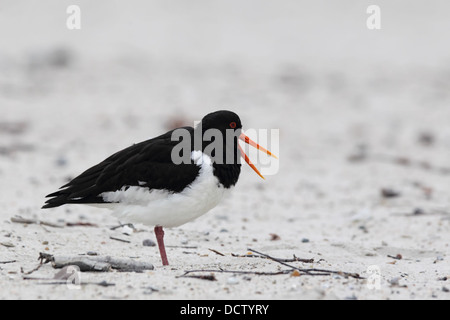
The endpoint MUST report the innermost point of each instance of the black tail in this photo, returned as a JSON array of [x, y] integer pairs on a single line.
[[57, 199], [82, 189], [65, 196]]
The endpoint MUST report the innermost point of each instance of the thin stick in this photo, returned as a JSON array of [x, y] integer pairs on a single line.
[[121, 240], [258, 273], [294, 259], [81, 224], [217, 252], [19, 219], [183, 247], [50, 281], [276, 260], [209, 277], [310, 271], [31, 271]]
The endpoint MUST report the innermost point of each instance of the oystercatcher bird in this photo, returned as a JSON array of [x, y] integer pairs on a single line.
[[147, 183]]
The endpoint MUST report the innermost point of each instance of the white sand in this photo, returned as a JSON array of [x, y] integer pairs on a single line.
[[313, 71]]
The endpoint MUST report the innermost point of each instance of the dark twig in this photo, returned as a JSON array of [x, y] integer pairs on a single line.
[[294, 259], [43, 259], [81, 224], [308, 272], [299, 271], [258, 273], [58, 282], [19, 219], [52, 281], [217, 252], [311, 271], [277, 260], [118, 239], [209, 277], [31, 271], [183, 247]]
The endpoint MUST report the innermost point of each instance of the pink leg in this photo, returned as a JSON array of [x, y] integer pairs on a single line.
[[159, 232]]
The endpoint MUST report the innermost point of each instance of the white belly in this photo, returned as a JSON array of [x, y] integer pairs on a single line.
[[162, 208]]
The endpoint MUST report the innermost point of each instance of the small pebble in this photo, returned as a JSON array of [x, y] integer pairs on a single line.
[[438, 259], [61, 161], [274, 237], [389, 193], [305, 240], [104, 283], [426, 139], [394, 281], [295, 273], [148, 243]]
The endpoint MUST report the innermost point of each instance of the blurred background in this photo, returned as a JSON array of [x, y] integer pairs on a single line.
[[358, 110]]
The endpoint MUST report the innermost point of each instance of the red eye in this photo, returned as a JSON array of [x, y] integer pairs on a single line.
[[233, 125]]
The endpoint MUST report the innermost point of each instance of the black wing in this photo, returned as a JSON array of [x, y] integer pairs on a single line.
[[146, 164]]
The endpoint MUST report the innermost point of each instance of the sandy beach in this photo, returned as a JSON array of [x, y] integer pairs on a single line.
[[363, 178]]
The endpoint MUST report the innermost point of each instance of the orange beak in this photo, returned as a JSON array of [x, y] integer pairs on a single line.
[[247, 140]]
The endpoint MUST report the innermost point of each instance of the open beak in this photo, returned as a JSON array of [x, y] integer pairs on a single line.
[[247, 140]]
